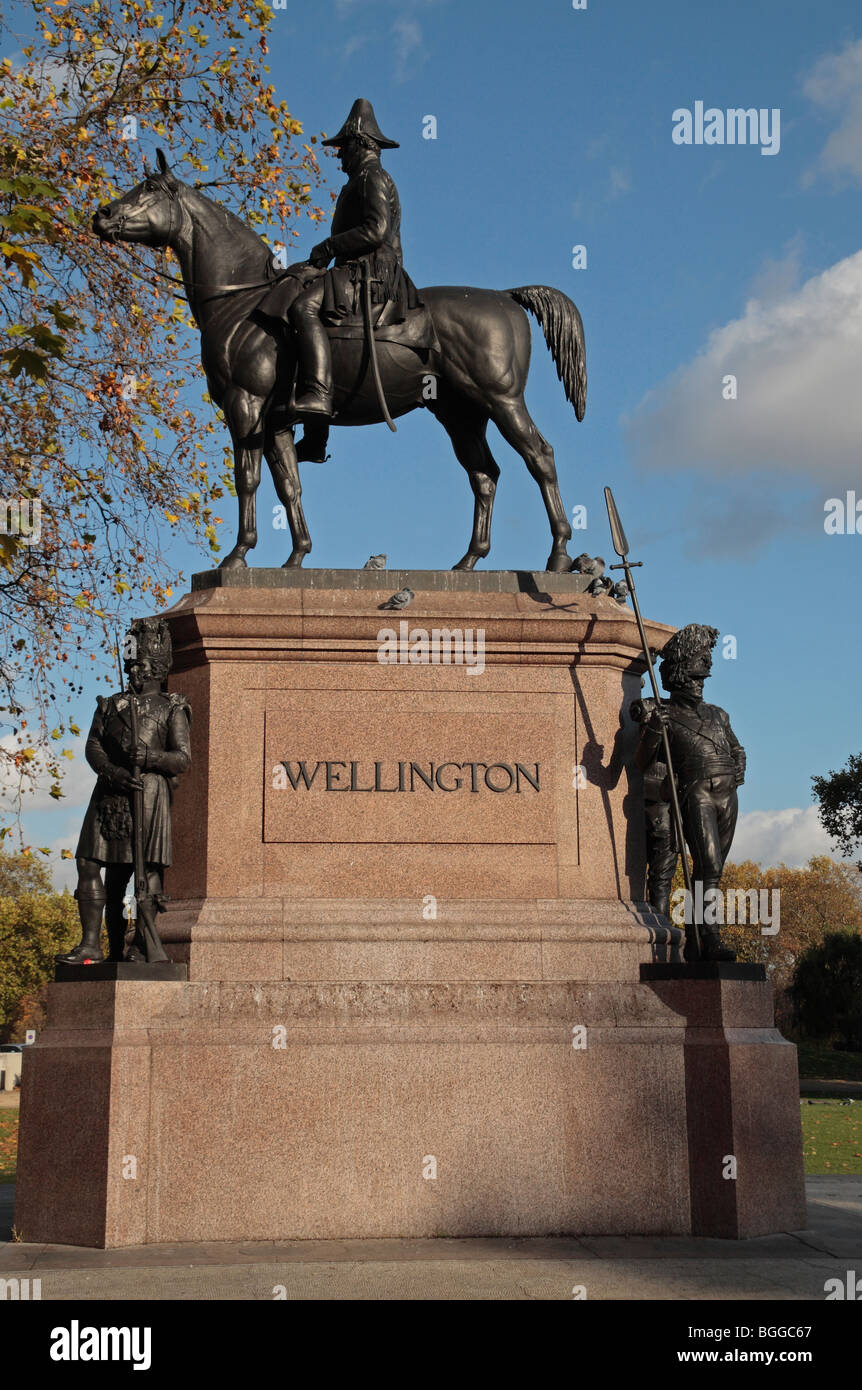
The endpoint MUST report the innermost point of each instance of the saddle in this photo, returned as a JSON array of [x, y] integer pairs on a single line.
[[415, 331]]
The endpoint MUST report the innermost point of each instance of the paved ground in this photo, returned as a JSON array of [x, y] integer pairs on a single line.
[[791, 1266]]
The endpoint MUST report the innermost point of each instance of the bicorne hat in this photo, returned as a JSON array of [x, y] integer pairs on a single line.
[[361, 121]]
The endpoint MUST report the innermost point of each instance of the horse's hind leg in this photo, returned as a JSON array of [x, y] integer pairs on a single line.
[[466, 428], [281, 457], [243, 414], [515, 425]]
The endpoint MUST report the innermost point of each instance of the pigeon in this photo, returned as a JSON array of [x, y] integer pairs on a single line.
[[375, 562], [600, 586], [620, 591], [399, 600], [585, 564]]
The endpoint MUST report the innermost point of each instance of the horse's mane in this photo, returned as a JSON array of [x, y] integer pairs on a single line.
[[240, 232]]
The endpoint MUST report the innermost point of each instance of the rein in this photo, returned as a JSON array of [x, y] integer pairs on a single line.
[[218, 290]]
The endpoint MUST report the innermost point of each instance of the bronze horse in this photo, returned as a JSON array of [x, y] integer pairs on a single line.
[[250, 362]]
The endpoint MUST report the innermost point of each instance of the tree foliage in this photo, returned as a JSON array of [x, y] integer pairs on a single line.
[[34, 927], [22, 873], [827, 989], [840, 798], [823, 897], [103, 420]]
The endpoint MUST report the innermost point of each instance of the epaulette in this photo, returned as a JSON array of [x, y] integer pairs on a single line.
[[180, 702]]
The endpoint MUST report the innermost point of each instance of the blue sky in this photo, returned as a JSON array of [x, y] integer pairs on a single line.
[[554, 128]]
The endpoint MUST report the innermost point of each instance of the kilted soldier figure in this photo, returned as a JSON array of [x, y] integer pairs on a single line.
[[708, 760], [151, 765]]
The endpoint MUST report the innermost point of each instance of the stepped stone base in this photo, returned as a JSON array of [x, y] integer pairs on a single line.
[[239, 1111]]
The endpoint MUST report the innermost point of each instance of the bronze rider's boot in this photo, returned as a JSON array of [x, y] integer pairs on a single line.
[[315, 369]]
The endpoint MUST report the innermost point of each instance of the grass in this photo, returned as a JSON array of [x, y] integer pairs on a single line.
[[832, 1137], [819, 1061], [8, 1145]]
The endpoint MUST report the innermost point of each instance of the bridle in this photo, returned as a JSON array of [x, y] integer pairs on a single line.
[[174, 222]]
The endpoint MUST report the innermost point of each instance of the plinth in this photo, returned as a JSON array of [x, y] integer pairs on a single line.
[[407, 889]]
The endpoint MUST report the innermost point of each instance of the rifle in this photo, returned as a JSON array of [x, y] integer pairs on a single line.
[[621, 546]]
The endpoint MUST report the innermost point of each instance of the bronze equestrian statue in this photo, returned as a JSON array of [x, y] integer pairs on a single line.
[[462, 353]]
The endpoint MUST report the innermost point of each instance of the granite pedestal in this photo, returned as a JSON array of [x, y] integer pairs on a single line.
[[408, 895]]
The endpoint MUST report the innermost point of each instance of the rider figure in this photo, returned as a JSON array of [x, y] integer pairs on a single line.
[[365, 241]]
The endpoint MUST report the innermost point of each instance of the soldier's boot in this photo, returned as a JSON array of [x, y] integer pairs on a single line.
[[91, 905], [315, 398], [659, 898], [711, 946], [116, 924]]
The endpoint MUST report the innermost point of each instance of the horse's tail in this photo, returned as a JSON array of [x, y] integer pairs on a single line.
[[564, 333]]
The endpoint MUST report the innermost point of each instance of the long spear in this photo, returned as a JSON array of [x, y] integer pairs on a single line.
[[621, 546]]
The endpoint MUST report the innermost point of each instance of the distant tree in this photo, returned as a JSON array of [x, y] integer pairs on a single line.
[[822, 897], [31, 1012], [23, 873], [826, 990], [34, 927], [840, 798]]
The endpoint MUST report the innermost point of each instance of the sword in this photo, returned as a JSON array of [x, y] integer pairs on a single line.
[[621, 546], [372, 346]]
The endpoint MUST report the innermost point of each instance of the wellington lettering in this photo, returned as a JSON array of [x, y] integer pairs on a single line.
[[354, 776]]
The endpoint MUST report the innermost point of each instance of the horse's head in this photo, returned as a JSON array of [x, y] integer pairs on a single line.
[[147, 213]]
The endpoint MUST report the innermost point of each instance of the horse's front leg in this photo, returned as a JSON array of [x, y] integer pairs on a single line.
[[245, 427]]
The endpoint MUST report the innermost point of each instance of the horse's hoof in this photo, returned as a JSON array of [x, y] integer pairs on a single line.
[[559, 562], [234, 561], [295, 560], [467, 563]]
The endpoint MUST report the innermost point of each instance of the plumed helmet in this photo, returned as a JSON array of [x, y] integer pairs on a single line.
[[676, 654], [150, 639], [361, 121]]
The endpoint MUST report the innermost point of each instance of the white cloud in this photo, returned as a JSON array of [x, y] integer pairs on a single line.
[[834, 85], [408, 39], [789, 837], [63, 871], [77, 781], [612, 183], [797, 359]]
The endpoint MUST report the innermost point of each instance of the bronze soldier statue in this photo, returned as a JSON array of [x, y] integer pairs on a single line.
[[661, 847], [365, 241], [146, 767], [708, 760]]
